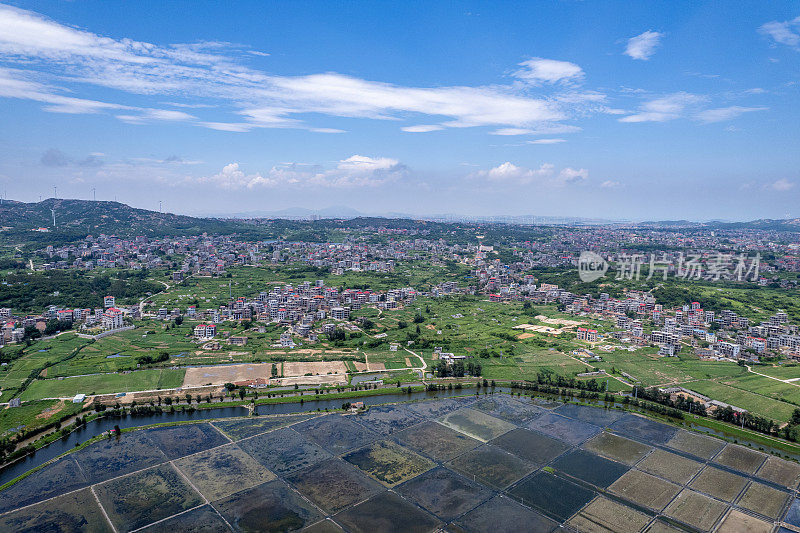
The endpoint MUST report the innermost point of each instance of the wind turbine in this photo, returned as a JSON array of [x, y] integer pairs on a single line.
[[94, 194], [55, 192]]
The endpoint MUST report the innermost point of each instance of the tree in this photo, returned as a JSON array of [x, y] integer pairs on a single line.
[[242, 393], [274, 370]]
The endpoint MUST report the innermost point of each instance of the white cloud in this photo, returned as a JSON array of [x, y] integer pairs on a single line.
[[569, 176], [355, 171], [610, 184], [545, 129], [422, 128], [782, 185], [666, 108], [644, 45], [232, 177], [168, 114], [512, 131], [228, 126], [787, 32], [545, 175], [546, 141], [213, 74], [725, 113], [508, 172], [538, 70]]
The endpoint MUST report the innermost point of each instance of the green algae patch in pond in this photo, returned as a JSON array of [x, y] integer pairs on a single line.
[[388, 462]]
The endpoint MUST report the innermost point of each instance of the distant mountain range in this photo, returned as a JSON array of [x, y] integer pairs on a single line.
[[77, 218]]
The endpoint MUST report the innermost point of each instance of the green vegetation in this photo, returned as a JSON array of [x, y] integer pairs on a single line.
[[31, 415], [33, 291], [151, 379]]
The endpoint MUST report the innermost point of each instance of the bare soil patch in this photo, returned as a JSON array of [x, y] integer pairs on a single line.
[[221, 374]]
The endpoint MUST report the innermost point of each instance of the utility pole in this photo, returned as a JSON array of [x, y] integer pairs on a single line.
[[54, 217]]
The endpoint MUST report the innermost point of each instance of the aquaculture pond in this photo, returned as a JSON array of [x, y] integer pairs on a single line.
[[461, 463]]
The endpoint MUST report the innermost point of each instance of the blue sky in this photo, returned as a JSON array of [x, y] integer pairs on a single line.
[[637, 110]]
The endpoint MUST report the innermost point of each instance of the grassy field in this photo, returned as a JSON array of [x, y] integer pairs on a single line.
[[751, 401], [36, 357], [33, 414], [156, 378]]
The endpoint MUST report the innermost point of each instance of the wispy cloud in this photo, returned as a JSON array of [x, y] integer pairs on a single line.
[[722, 114], [54, 157], [665, 108], [644, 45], [34, 48], [782, 185], [787, 32], [423, 128], [546, 141]]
